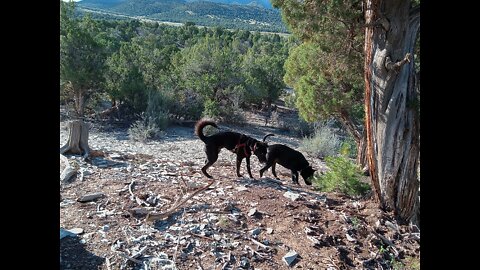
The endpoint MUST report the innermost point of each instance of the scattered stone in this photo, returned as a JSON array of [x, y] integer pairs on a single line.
[[269, 230], [65, 233], [308, 230], [152, 200], [91, 197], [252, 212], [241, 188], [66, 202], [217, 237], [290, 257], [116, 156], [291, 195], [76, 231], [391, 225], [314, 240], [105, 227], [255, 231], [244, 263], [349, 238]]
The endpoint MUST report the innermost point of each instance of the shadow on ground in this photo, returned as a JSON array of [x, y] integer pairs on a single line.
[[73, 255]]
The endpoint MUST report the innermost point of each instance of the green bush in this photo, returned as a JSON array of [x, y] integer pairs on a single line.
[[158, 107], [211, 109], [323, 143], [233, 115], [343, 176], [348, 148], [290, 100], [144, 129]]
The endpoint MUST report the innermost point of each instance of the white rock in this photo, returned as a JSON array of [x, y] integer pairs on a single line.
[[76, 231], [241, 188], [291, 195], [349, 238], [269, 230], [290, 257], [252, 211]]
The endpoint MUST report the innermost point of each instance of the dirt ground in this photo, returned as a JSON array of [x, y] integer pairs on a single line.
[[237, 223]]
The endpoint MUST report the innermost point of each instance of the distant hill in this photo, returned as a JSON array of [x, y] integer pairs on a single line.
[[258, 3], [253, 15]]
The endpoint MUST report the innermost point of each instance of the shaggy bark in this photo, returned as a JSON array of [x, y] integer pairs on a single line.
[[77, 140], [392, 122]]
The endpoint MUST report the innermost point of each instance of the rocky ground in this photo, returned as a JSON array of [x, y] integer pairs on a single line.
[[236, 223]]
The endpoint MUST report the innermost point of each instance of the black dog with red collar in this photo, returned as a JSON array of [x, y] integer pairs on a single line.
[[238, 143]]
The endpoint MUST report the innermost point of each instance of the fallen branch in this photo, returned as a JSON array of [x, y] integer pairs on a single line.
[[104, 112], [384, 239], [69, 170], [139, 201], [388, 242], [108, 264], [154, 216], [259, 244], [202, 236], [255, 252], [128, 257]]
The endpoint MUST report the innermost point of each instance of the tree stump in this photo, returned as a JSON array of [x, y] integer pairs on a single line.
[[77, 140]]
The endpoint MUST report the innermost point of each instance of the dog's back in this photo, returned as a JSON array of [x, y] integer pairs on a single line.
[[227, 139], [287, 157]]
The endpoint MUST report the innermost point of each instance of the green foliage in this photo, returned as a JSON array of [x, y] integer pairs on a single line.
[[158, 106], [326, 70], [204, 13], [299, 126], [409, 263], [290, 100], [234, 115], [82, 55], [189, 70], [263, 69], [323, 143], [343, 176], [144, 129], [325, 83], [348, 148], [212, 109]]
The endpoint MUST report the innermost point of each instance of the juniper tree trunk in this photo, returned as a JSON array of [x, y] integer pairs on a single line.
[[77, 140], [392, 120], [359, 137]]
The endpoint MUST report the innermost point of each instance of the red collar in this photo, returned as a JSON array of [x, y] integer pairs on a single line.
[[244, 145]]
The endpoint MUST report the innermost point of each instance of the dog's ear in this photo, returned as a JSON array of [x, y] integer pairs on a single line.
[[268, 135]]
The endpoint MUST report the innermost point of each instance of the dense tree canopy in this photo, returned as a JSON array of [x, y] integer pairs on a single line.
[[194, 69]]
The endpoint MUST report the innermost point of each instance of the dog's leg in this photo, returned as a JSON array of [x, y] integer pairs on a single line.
[[212, 156], [273, 171], [239, 162], [268, 165], [295, 177], [248, 168]]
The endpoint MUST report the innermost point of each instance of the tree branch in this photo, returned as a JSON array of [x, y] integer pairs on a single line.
[[153, 216], [390, 65]]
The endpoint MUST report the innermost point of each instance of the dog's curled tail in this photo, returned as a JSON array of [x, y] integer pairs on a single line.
[[268, 135], [199, 128]]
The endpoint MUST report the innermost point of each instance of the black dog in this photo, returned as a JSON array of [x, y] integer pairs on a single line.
[[290, 159], [240, 144]]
